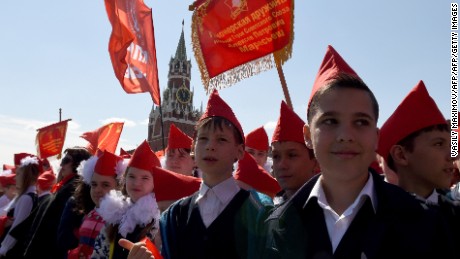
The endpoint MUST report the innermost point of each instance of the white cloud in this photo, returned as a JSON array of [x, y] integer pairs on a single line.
[[128, 123]]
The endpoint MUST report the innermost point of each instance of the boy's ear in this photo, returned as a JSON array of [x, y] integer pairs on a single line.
[[307, 136], [240, 153], [378, 139], [399, 155]]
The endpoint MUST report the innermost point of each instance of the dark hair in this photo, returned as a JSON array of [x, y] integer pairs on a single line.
[[78, 154], [82, 195], [182, 151], [341, 81], [219, 122], [408, 142]]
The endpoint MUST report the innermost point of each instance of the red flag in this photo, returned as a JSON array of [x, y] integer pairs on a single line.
[[132, 47], [104, 138], [238, 36], [50, 139]]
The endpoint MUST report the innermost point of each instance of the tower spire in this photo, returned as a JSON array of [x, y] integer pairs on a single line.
[[181, 53]]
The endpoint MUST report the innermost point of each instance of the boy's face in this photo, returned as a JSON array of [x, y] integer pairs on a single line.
[[259, 155], [179, 162], [343, 134], [430, 163], [292, 165], [216, 150]]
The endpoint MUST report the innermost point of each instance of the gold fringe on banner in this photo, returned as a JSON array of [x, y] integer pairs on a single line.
[[246, 70]]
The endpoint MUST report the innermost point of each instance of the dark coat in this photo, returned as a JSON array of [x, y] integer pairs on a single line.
[[400, 228], [43, 233]]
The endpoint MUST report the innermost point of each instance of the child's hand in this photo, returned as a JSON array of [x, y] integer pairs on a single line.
[[137, 250]]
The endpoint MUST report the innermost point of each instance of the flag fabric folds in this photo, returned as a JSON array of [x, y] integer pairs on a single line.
[[132, 47], [50, 139], [234, 39], [104, 138]]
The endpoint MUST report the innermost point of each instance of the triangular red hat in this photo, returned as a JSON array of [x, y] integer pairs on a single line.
[[9, 179], [9, 167], [46, 180], [107, 163], [251, 173], [144, 158], [173, 186], [333, 64], [218, 108], [257, 139], [417, 111], [289, 126], [124, 154], [18, 157], [178, 139]]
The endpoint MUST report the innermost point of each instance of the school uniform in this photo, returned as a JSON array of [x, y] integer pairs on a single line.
[[20, 210], [218, 222], [43, 233], [389, 223], [448, 208]]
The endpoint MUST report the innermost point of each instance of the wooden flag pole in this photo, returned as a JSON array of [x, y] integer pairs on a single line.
[[279, 68]]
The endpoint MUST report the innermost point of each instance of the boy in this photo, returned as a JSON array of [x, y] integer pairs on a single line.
[[220, 220], [415, 142], [348, 211], [178, 158], [293, 163], [256, 144]]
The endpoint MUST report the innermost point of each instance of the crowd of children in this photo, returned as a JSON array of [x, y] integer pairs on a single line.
[[315, 191]]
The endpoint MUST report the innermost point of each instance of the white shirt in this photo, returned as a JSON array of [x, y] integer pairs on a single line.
[[336, 224], [4, 201], [212, 201], [22, 209], [432, 199]]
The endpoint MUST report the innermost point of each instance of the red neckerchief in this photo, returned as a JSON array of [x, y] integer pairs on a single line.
[[64, 180]]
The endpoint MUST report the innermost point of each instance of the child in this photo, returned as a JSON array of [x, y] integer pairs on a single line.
[[23, 203], [256, 144], [178, 158], [293, 163], [45, 183], [8, 184], [220, 220], [101, 174], [132, 213], [348, 211], [415, 142]]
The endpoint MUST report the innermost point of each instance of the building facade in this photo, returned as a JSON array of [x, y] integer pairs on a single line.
[[177, 101]]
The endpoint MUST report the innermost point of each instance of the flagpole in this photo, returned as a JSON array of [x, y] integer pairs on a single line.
[[279, 68], [162, 130]]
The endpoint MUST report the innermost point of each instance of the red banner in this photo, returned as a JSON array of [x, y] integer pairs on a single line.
[[104, 138], [50, 139], [239, 35], [132, 47]]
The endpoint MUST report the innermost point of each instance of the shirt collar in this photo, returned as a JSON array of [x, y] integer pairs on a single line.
[[432, 199], [224, 190], [368, 190]]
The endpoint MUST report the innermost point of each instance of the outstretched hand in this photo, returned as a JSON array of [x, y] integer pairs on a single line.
[[136, 250]]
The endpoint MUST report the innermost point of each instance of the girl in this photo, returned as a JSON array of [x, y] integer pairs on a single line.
[[132, 213], [100, 175], [22, 205]]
